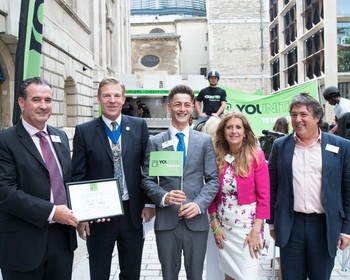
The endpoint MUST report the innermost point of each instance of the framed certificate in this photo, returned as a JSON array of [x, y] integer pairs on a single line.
[[92, 200]]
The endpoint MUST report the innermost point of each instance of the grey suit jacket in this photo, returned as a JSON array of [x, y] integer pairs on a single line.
[[200, 185], [335, 188]]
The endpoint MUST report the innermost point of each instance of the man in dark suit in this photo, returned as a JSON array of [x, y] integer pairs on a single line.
[[310, 194], [37, 234], [181, 222], [93, 159]]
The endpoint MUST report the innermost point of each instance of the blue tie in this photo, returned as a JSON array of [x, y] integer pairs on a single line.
[[181, 145]]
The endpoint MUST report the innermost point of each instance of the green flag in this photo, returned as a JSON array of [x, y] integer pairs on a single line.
[[165, 163], [28, 54]]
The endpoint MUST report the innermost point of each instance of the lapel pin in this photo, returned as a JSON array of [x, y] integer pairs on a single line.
[[127, 128]]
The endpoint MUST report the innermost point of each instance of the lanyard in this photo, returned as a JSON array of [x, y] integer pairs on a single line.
[[114, 136]]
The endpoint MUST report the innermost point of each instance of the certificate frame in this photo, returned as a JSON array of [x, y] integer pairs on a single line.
[[95, 199]]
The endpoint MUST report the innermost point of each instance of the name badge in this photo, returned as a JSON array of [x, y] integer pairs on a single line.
[[331, 148], [55, 138], [229, 158], [167, 144]]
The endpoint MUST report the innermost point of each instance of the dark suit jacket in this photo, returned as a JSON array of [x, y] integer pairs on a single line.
[[335, 188], [25, 198], [93, 158]]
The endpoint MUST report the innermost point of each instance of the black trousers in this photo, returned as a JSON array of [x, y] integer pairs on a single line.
[[101, 243], [306, 253], [57, 263]]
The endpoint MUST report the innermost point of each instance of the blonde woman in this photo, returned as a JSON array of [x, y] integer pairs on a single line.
[[237, 213]]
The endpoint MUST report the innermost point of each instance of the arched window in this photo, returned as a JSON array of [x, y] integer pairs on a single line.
[[157, 30]]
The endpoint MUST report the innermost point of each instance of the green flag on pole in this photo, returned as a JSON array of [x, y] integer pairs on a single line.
[[165, 163], [28, 54]]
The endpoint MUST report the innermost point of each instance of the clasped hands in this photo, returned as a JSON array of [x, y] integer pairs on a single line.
[[177, 198]]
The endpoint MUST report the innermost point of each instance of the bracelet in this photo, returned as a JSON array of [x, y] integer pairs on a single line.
[[216, 230], [212, 219]]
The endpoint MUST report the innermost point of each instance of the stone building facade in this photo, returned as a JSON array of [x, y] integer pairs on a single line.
[[238, 40], [310, 40], [178, 44], [164, 47], [232, 38], [83, 41], [166, 50]]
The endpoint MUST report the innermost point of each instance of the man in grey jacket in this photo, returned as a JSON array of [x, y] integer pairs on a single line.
[[181, 219]]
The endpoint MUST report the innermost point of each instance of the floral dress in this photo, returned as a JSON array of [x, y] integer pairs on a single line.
[[236, 221]]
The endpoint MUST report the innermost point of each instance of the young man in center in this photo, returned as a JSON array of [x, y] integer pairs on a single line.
[[181, 220]]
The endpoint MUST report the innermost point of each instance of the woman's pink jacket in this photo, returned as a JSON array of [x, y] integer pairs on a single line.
[[254, 188]]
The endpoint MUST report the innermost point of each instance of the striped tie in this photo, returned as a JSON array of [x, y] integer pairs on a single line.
[[57, 186]]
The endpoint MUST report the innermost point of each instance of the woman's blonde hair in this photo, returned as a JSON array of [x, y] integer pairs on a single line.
[[247, 152]]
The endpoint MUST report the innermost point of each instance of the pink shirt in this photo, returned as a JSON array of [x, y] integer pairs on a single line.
[[307, 177]]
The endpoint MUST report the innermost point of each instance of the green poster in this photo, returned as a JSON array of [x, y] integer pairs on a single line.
[[165, 163]]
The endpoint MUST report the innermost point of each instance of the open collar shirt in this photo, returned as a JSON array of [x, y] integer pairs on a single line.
[[307, 176]]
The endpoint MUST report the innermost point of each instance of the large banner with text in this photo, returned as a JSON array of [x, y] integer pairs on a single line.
[[263, 110]]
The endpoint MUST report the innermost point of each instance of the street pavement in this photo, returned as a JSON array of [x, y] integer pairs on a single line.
[[151, 270]]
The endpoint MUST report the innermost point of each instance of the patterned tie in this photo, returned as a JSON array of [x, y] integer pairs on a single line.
[[117, 155], [181, 145], [57, 186]]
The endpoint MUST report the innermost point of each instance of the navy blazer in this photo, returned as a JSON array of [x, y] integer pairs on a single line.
[[25, 198], [93, 157], [335, 188]]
